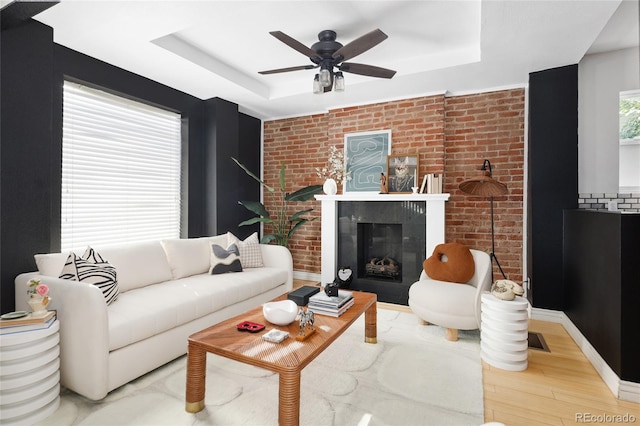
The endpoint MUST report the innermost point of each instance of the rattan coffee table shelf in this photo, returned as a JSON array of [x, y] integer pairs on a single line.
[[287, 358]]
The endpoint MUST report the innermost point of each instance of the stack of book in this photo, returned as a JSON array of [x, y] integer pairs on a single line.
[[21, 321], [333, 306], [432, 184]]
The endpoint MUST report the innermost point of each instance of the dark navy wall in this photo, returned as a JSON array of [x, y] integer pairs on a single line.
[[26, 147], [552, 176]]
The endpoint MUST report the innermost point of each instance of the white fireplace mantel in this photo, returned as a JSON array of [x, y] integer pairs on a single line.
[[329, 243]]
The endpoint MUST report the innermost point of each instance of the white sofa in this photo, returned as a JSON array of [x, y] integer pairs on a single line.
[[166, 294]]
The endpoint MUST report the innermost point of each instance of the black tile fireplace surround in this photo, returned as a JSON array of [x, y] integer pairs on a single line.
[[382, 231]]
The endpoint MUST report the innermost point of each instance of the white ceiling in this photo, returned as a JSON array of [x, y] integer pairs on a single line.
[[216, 48]]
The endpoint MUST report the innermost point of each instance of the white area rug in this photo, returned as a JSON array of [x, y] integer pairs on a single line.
[[412, 376]]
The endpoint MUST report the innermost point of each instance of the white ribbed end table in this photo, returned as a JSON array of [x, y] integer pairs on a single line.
[[504, 332], [29, 375]]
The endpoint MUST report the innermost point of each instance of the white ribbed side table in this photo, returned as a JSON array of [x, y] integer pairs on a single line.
[[29, 375], [504, 332]]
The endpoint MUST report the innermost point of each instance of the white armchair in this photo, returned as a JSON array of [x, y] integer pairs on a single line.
[[452, 305]]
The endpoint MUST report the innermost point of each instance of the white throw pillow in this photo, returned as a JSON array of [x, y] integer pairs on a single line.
[[187, 257], [225, 260], [50, 264], [220, 240], [250, 253], [138, 264], [93, 269]]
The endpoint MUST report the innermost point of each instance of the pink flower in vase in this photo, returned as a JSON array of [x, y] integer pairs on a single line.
[[42, 289], [37, 289], [38, 296]]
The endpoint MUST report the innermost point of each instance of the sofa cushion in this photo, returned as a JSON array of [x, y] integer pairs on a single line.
[[139, 264], [50, 264], [187, 257], [93, 269], [225, 260], [145, 312], [452, 262], [250, 254]]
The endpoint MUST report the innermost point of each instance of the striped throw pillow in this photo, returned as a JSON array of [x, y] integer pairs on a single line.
[[250, 253], [225, 260], [93, 269]]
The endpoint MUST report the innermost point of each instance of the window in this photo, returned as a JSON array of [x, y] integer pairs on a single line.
[[120, 170], [629, 160]]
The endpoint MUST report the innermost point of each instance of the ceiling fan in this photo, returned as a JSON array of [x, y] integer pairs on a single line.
[[328, 54]]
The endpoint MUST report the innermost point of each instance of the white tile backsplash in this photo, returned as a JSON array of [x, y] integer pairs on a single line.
[[600, 201]]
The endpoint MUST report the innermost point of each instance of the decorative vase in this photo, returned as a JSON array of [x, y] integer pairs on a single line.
[[282, 312], [330, 187], [39, 304]]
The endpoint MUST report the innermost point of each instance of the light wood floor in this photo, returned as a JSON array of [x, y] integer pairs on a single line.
[[557, 388]]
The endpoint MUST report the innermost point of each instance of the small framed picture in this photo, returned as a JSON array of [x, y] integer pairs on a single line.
[[402, 173]]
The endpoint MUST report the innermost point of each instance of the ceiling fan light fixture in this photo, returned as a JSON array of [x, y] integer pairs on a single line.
[[338, 82], [329, 54], [325, 77], [317, 88]]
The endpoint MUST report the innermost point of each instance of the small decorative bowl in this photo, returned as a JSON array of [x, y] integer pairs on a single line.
[[283, 312]]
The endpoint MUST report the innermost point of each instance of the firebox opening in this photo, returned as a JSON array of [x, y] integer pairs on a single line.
[[379, 229], [380, 251]]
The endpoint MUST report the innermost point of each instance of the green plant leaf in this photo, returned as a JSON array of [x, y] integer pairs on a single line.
[[255, 206], [266, 239], [304, 194], [295, 227], [247, 171], [297, 215], [256, 220]]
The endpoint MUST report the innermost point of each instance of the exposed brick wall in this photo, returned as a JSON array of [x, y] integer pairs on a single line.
[[302, 144], [451, 135], [417, 127], [478, 127]]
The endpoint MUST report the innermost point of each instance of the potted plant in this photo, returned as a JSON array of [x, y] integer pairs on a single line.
[[283, 228]]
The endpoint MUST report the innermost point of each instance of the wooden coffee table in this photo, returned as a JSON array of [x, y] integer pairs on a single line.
[[287, 358]]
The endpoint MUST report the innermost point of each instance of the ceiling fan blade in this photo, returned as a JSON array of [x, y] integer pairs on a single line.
[[294, 44], [298, 68], [368, 70], [360, 45]]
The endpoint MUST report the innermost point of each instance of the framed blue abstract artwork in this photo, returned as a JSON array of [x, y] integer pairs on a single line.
[[366, 159]]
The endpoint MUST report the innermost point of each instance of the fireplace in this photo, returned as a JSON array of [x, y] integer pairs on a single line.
[[379, 251], [383, 239]]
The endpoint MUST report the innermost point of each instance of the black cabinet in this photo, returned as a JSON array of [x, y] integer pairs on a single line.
[[602, 284]]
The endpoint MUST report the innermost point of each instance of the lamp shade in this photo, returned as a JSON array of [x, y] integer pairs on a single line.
[[338, 83], [325, 77], [317, 89], [484, 185]]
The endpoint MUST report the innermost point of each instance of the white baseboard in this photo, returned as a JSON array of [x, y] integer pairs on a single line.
[[308, 276], [629, 391], [626, 391]]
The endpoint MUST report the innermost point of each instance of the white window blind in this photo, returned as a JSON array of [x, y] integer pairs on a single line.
[[120, 170]]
